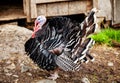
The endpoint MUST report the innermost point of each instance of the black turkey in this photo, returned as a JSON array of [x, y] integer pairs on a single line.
[[61, 43]]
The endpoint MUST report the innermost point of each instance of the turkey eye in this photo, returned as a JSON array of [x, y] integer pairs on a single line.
[[38, 18]]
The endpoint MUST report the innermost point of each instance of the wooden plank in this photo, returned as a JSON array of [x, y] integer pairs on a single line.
[[116, 12], [89, 5], [95, 3], [24, 6], [52, 9], [62, 8], [105, 9], [27, 9], [12, 14], [33, 9], [41, 9], [58, 7], [77, 7], [12, 17], [49, 1]]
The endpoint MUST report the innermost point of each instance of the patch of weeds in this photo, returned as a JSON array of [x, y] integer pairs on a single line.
[[106, 36]]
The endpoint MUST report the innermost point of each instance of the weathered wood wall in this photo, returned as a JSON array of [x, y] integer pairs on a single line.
[[56, 7], [109, 9], [105, 9], [116, 11]]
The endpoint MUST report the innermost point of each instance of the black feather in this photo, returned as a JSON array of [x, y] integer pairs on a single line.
[[39, 55]]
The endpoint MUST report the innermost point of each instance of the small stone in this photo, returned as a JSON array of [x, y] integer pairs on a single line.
[[14, 51], [15, 76], [1, 45], [16, 81], [107, 53], [66, 75], [110, 64], [8, 62], [24, 68], [116, 53], [13, 58], [85, 80], [46, 81], [29, 74], [8, 74], [11, 66], [6, 70], [114, 82], [93, 54]]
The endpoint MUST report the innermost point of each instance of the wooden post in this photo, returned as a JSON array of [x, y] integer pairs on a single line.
[[26, 7]]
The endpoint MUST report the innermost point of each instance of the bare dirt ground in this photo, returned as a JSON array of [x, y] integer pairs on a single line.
[[16, 67]]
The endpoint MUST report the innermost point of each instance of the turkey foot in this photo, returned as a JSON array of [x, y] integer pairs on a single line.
[[54, 76]]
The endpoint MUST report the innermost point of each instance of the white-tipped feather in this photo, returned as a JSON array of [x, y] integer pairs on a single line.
[[93, 59], [94, 10]]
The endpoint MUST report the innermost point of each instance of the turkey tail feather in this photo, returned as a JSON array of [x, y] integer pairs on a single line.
[[67, 64], [88, 27]]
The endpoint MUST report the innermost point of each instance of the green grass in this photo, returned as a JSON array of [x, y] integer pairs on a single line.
[[106, 36]]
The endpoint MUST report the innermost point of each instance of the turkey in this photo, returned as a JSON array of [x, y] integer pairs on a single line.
[[60, 43]]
